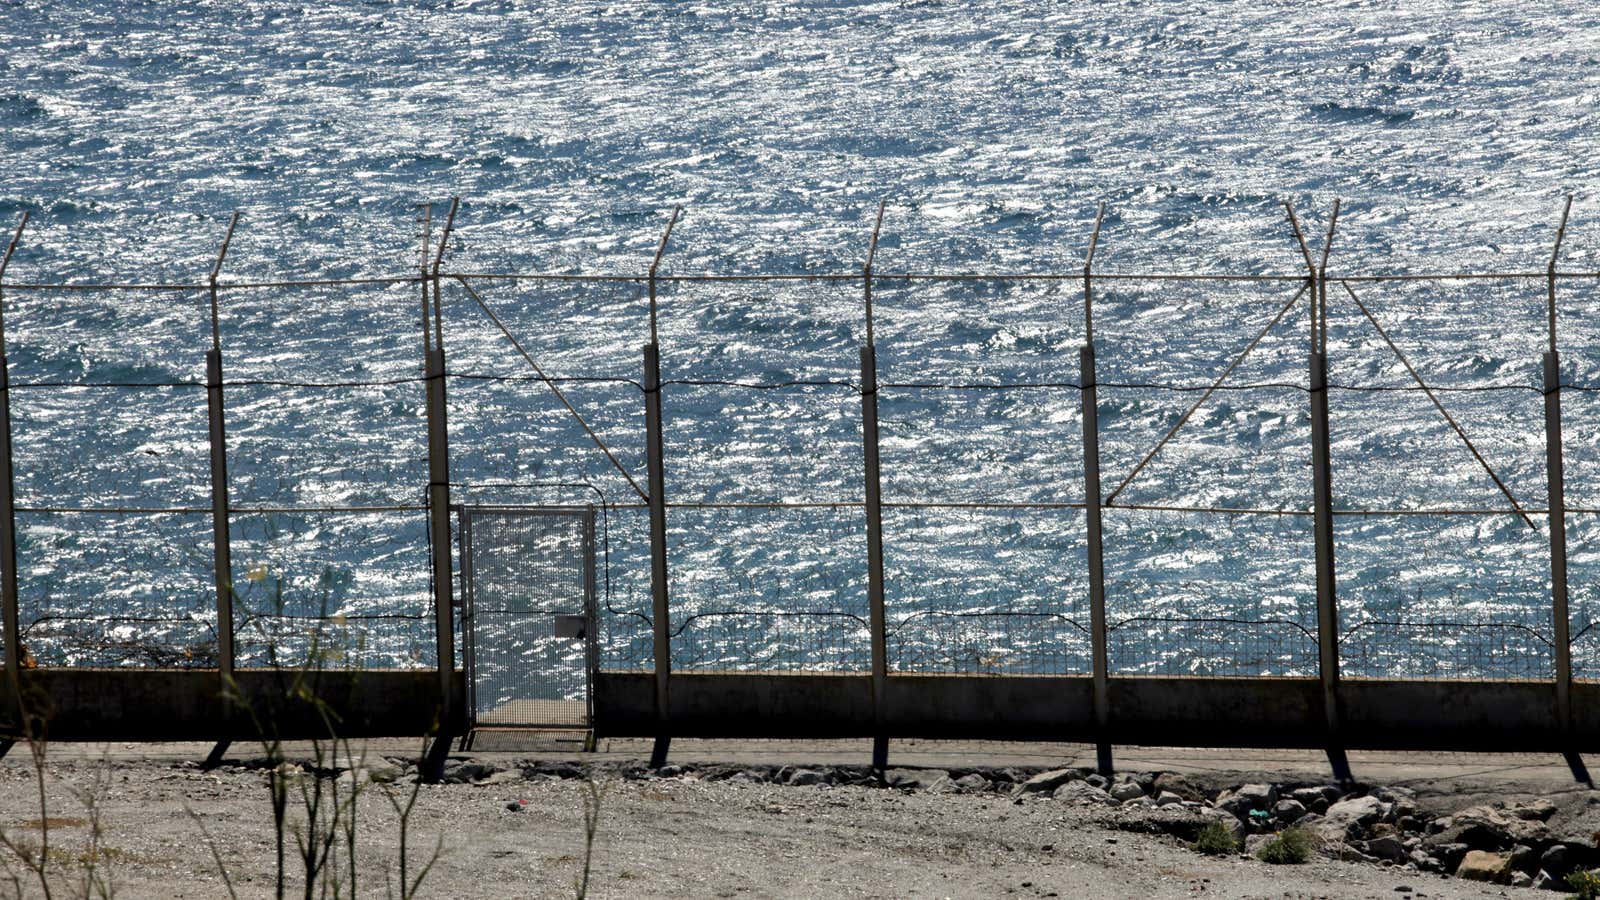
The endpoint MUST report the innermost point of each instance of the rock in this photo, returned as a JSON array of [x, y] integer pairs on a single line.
[[1248, 798], [971, 783], [1127, 790], [1524, 858], [1288, 811], [1046, 782], [384, 774], [1544, 881], [1538, 809], [669, 771], [465, 773], [1558, 860], [1174, 783], [1521, 879], [807, 777], [1449, 855], [501, 778], [915, 779], [1225, 818], [1387, 847], [515, 806], [1168, 798], [1349, 819], [1481, 865], [1253, 843], [1424, 862], [1084, 794], [1487, 828], [1311, 798], [1097, 780]]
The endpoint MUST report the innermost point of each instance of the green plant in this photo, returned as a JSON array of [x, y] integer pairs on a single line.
[[1585, 885], [1290, 846], [1216, 839]]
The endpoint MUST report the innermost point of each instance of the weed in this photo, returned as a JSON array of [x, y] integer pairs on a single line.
[[1216, 839], [1290, 846], [1585, 885]]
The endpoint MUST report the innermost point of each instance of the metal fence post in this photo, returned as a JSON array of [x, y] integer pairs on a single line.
[[1555, 476], [657, 479], [8, 515], [1322, 500], [1095, 545], [877, 616], [222, 554], [439, 506]]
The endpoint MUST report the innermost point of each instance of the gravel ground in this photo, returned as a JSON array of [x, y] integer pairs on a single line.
[[676, 836]]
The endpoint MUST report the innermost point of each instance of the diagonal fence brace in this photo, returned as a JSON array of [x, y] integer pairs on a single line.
[[1440, 406], [1184, 419], [554, 388]]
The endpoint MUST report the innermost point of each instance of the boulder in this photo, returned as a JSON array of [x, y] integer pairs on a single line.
[[1047, 782], [916, 779], [1248, 798], [1287, 812], [1363, 811], [1097, 780], [1487, 828], [1537, 809], [1127, 790], [1387, 847], [1448, 855], [1311, 798], [1558, 860], [1223, 817], [1481, 865], [1173, 783], [1168, 798], [1524, 858], [1084, 794], [971, 783]]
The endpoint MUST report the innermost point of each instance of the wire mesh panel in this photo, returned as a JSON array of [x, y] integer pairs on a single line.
[[529, 615]]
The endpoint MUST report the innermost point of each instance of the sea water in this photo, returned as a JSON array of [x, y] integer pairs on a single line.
[[1449, 132]]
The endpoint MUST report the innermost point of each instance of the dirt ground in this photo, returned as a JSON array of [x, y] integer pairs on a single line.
[[684, 836]]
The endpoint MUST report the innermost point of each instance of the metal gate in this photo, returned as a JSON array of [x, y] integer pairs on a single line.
[[528, 616]]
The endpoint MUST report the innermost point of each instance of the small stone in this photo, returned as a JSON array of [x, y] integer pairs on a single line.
[[1544, 881], [669, 771], [1481, 865], [1402, 889], [1127, 790], [1521, 879], [805, 777], [1168, 798]]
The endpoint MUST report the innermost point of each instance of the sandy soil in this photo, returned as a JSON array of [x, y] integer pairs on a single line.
[[670, 837]]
